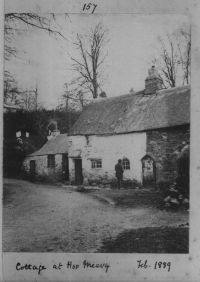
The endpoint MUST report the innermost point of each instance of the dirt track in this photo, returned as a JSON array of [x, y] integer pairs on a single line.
[[46, 218]]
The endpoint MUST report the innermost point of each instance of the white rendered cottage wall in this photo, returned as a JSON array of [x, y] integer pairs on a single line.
[[109, 149]]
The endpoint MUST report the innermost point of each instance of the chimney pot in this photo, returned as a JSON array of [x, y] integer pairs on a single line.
[[153, 81]]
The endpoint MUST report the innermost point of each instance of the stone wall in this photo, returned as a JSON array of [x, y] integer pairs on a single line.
[[42, 171], [161, 145], [109, 149]]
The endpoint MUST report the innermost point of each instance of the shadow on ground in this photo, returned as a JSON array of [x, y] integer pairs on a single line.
[[129, 198], [149, 240]]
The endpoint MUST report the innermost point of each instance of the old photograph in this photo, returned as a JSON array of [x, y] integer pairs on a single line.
[[96, 146]]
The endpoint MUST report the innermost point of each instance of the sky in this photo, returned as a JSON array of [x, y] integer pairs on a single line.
[[44, 60]]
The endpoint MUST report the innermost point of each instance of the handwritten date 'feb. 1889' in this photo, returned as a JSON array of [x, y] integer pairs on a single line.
[[156, 265]]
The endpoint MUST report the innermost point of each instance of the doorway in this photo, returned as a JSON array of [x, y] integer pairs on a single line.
[[32, 170], [148, 171], [78, 171], [65, 167]]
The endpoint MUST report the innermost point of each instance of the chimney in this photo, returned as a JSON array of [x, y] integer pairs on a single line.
[[53, 130], [153, 81]]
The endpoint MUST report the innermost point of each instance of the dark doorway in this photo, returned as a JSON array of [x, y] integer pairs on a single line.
[[32, 170], [148, 171], [78, 171], [65, 167]]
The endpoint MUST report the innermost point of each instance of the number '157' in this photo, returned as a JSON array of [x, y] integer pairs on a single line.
[[90, 7]]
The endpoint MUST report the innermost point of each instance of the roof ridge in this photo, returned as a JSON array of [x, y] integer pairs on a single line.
[[116, 97], [140, 92], [169, 90]]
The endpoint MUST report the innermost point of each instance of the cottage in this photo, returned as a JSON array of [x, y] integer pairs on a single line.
[[144, 129], [51, 161]]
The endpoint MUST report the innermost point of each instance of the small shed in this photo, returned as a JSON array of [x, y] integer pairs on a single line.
[[50, 161]]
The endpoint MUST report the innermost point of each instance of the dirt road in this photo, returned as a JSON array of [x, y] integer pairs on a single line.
[[46, 218]]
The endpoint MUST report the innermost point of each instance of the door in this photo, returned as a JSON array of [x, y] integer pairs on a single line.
[[32, 170], [78, 171], [65, 167], [148, 172]]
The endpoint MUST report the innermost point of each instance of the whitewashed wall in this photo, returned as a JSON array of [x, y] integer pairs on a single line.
[[109, 149], [41, 166]]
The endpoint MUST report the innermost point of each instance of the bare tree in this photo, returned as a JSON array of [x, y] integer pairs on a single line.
[[185, 54], [11, 90], [15, 23], [73, 98], [11, 27], [168, 61], [174, 61], [92, 56], [28, 100], [35, 91], [25, 99]]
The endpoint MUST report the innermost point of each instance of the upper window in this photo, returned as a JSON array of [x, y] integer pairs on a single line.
[[51, 161], [96, 163], [126, 163]]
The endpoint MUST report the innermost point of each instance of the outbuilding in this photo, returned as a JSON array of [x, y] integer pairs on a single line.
[[51, 161]]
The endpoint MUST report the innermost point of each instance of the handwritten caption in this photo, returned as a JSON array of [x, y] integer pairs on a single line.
[[69, 265], [89, 7], [156, 265], [88, 265]]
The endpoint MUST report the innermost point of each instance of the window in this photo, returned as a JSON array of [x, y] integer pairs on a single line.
[[126, 163], [96, 163], [51, 161]]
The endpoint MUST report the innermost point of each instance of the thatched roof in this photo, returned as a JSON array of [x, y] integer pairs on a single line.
[[56, 145], [135, 112]]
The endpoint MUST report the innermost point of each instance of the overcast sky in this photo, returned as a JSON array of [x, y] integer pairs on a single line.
[[133, 43]]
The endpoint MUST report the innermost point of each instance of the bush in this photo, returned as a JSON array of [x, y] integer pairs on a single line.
[[133, 184], [98, 182], [81, 188], [163, 186]]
